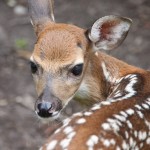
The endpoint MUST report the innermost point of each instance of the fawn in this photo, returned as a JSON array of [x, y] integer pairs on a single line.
[[67, 62]]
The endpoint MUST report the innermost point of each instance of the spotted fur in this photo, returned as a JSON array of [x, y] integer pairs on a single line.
[[118, 123]]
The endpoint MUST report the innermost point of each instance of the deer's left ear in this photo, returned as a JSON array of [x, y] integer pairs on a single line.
[[109, 32]]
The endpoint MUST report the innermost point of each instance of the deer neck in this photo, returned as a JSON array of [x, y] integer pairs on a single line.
[[103, 76]]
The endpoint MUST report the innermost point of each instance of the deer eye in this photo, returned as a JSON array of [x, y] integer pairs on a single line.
[[34, 67], [77, 70]]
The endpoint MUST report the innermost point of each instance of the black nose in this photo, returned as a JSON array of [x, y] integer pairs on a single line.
[[44, 109]]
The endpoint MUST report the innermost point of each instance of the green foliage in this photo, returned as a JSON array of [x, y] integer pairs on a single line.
[[21, 43]]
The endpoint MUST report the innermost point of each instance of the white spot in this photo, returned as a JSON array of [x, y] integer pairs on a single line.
[[58, 130], [129, 124], [141, 145], [126, 134], [114, 121], [121, 118], [123, 113], [68, 129], [138, 107], [93, 139], [81, 121], [71, 135], [148, 141], [140, 114], [88, 113], [147, 124], [142, 135], [65, 143], [145, 106], [96, 107], [118, 122], [136, 148], [135, 133], [115, 126], [132, 143], [118, 148], [106, 126], [130, 111], [125, 146], [106, 143], [112, 141], [79, 114], [148, 102], [105, 103], [52, 145], [66, 122], [111, 120]]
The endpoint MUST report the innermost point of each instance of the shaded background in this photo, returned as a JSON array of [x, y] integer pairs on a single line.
[[19, 127]]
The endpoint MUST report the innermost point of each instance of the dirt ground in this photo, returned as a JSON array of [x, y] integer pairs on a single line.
[[19, 127]]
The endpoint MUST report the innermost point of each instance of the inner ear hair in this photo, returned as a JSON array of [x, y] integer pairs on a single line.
[[109, 32]]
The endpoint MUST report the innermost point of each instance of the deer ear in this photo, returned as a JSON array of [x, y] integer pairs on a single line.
[[41, 13], [109, 32]]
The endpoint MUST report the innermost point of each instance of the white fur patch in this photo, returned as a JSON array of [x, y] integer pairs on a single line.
[[65, 142], [106, 72], [79, 61], [31, 58], [51, 145], [106, 126], [83, 90], [148, 141], [93, 140], [81, 121], [68, 129], [88, 113]]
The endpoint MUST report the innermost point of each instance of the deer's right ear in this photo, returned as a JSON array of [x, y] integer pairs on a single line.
[[109, 32], [41, 12]]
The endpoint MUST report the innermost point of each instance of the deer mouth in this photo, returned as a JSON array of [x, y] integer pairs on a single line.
[[47, 109]]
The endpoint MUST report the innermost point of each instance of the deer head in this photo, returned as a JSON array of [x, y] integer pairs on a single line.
[[63, 52]]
